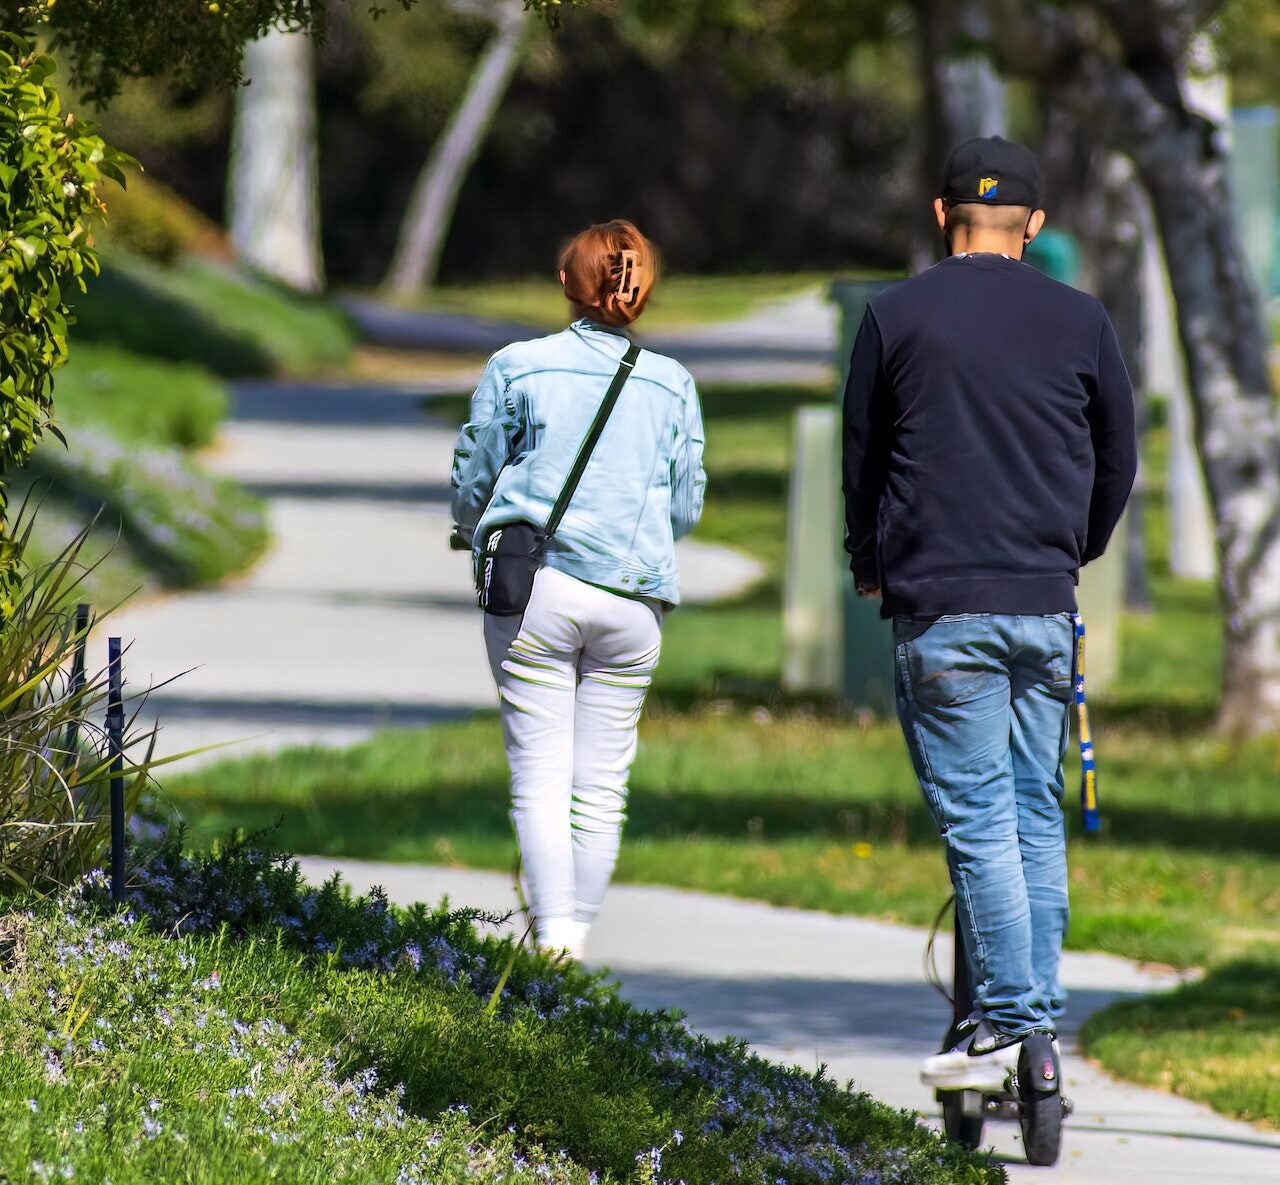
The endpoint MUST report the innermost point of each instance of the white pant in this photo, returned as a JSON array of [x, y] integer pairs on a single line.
[[572, 676]]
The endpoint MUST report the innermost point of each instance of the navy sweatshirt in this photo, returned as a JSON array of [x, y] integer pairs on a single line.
[[989, 441]]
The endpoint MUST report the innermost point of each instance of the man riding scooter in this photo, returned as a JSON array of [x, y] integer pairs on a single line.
[[989, 450]]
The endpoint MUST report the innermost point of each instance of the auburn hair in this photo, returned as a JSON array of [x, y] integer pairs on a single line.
[[609, 271]]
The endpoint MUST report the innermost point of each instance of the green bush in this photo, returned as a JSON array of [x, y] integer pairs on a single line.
[[209, 313], [140, 400], [152, 221]]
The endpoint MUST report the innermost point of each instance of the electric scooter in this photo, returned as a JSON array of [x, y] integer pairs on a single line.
[[1032, 1094]]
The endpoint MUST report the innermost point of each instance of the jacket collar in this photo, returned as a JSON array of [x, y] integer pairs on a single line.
[[586, 325]]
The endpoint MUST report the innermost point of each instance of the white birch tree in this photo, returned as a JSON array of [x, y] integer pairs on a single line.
[[273, 183], [435, 194]]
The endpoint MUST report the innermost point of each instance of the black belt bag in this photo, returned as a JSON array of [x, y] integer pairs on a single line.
[[513, 552]]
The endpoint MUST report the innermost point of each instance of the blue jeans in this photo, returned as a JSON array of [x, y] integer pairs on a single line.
[[984, 702]]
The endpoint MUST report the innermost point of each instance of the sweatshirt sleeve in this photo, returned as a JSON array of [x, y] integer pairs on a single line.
[[688, 477], [868, 422], [1115, 445], [485, 445]]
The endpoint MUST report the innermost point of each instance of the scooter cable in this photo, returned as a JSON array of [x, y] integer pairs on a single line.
[[932, 974]]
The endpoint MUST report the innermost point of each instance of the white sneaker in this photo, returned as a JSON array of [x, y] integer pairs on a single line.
[[956, 1070], [563, 934]]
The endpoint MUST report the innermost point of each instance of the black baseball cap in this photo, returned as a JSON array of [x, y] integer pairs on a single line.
[[994, 172]]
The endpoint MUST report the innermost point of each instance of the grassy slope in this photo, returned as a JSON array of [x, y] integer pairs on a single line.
[[129, 421], [207, 313], [739, 789]]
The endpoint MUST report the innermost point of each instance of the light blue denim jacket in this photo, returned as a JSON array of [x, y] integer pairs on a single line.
[[643, 487]]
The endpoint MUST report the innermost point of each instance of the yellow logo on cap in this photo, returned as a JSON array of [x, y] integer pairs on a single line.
[[988, 187]]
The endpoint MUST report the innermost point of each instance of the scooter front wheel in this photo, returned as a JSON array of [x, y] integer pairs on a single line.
[[1040, 1097]]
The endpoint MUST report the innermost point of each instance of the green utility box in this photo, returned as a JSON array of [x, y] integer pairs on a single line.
[[1057, 254], [867, 670]]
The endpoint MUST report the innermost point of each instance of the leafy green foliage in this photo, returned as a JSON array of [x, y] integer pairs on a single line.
[[52, 168], [197, 41]]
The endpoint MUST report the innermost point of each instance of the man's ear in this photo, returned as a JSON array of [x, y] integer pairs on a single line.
[[1035, 224], [940, 211], [563, 278]]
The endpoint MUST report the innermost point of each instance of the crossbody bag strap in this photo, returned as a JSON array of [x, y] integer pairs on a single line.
[[592, 437]]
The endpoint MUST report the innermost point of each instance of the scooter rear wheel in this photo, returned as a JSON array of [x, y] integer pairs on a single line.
[[960, 1128]]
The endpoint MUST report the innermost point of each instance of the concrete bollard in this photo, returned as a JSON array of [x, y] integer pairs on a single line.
[[1101, 601], [813, 627]]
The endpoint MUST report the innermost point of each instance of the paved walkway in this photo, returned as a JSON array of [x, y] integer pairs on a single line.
[[359, 616], [811, 988], [789, 342]]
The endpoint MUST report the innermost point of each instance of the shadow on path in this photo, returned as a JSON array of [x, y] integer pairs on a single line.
[[419, 329], [276, 713], [363, 405], [896, 1019], [338, 489]]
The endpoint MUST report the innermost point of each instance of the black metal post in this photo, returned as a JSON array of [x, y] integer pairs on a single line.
[[962, 982], [77, 679], [115, 750]]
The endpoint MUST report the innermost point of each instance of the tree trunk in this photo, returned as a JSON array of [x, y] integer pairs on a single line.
[[1237, 430], [274, 181], [435, 195], [1135, 103], [1121, 241], [938, 133]]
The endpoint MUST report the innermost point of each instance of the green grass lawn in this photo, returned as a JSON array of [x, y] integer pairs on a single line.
[[741, 789], [678, 301]]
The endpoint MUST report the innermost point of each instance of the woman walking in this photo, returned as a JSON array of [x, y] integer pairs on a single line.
[[580, 466]]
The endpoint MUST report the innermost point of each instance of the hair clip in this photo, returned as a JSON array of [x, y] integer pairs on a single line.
[[628, 292]]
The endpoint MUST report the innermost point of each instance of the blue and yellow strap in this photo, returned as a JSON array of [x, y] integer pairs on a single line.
[[1089, 811]]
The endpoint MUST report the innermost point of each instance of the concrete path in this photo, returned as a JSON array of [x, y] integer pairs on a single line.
[[811, 988], [792, 341], [359, 616]]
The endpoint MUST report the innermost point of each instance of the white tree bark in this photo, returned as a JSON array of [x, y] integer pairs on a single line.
[[1192, 544], [435, 195], [1135, 103], [273, 188], [963, 97]]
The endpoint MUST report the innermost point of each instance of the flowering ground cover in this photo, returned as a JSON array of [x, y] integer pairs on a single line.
[[237, 1025], [132, 424]]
